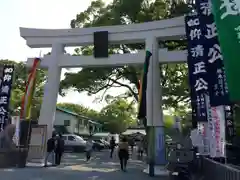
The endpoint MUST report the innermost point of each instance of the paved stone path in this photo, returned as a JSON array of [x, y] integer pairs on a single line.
[[74, 167]]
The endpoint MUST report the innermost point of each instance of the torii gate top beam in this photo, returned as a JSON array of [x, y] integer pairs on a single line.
[[114, 60], [168, 29]]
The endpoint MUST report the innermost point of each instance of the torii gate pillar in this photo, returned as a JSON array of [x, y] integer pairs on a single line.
[[154, 110], [48, 108]]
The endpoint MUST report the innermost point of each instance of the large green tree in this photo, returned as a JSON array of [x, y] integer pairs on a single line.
[[95, 80], [19, 87], [118, 115]]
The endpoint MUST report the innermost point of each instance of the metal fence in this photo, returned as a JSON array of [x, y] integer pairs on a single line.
[[211, 169]]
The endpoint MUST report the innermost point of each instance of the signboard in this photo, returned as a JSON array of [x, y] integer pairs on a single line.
[[2, 120], [196, 67], [211, 130], [217, 83], [5, 92], [229, 124], [203, 132], [226, 16], [160, 155], [218, 119]]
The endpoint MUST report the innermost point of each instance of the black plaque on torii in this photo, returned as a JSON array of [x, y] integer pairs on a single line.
[[100, 44]]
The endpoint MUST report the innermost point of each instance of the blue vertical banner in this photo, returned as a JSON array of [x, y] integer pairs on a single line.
[[217, 84], [196, 67], [5, 92], [160, 155], [2, 121]]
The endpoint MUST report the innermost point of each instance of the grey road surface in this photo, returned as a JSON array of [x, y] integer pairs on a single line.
[[74, 167]]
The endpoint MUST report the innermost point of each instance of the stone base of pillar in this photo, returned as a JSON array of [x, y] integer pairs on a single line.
[[32, 164], [37, 162], [158, 171]]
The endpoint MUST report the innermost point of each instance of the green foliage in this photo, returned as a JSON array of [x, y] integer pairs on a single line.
[[79, 109], [168, 121], [19, 87], [99, 80], [118, 116]]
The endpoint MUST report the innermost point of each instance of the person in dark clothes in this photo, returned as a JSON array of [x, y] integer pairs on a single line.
[[59, 149], [112, 146], [132, 143], [89, 148], [123, 153], [140, 148], [50, 149]]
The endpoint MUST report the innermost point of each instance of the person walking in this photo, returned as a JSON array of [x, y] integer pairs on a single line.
[[112, 146], [50, 150], [59, 149], [89, 146], [132, 143], [123, 153], [140, 148]]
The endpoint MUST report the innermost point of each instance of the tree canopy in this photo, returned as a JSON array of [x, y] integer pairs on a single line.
[[79, 109], [99, 80], [118, 115]]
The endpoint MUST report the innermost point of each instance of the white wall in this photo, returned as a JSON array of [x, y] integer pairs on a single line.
[[61, 116]]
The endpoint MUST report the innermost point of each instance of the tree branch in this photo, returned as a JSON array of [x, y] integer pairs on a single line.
[[107, 86], [124, 49], [127, 86], [164, 80], [182, 98], [102, 95], [97, 91]]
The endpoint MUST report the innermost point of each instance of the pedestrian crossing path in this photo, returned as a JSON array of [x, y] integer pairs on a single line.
[[75, 167]]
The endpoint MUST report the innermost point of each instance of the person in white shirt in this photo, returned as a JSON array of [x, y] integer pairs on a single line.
[[89, 146]]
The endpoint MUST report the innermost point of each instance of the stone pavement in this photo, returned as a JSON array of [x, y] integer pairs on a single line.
[[74, 167]]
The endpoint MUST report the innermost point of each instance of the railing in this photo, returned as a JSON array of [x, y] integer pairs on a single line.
[[208, 169], [211, 169]]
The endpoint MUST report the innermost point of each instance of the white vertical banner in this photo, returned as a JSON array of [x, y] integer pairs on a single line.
[[203, 132], [222, 132], [218, 118], [177, 123], [211, 129], [16, 121]]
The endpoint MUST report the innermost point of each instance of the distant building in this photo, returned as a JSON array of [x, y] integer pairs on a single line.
[[135, 133], [70, 122], [132, 131]]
